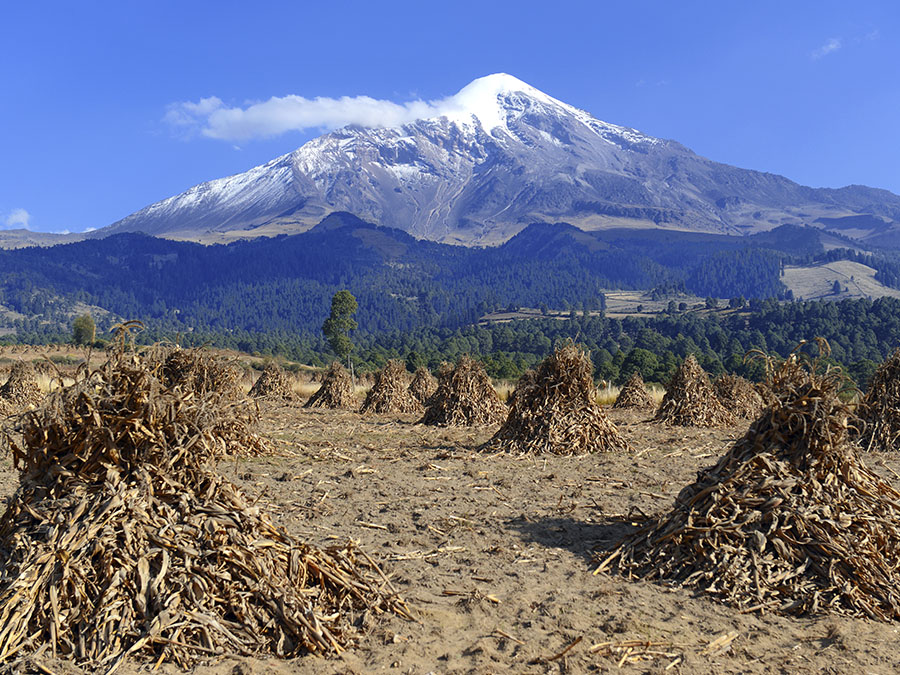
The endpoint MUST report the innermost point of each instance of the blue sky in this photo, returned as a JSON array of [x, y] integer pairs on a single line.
[[103, 105]]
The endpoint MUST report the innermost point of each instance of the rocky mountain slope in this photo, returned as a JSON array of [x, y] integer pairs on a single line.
[[506, 156]]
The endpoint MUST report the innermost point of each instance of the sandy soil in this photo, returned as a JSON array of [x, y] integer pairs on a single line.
[[494, 555]]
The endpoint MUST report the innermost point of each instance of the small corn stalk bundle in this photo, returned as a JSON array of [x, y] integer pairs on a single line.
[[879, 411], [274, 384], [122, 540], [789, 519], [423, 385], [739, 396], [555, 411], [21, 389], [634, 394], [465, 397], [336, 390], [390, 393], [199, 371], [689, 400]]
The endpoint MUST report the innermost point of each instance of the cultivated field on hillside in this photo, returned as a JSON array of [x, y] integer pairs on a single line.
[[816, 282]]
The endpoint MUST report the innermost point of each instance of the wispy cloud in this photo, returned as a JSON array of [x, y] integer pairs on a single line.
[[17, 218], [212, 118], [831, 45]]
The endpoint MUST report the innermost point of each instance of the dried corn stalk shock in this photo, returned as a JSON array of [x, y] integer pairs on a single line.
[[199, 371], [879, 410], [788, 520], [423, 385], [465, 397], [634, 394], [336, 390], [554, 410], [21, 389], [689, 400], [390, 393], [273, 384], [122, 540], [739, 396]]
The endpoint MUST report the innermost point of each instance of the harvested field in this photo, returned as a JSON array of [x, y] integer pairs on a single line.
[[494, 554]]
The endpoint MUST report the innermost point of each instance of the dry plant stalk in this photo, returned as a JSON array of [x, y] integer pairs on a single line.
[[634, 394], [273, 383], [336, 390], [879, 410], [739, 396], [789, 519], [391, 394], [21, 389], [465, 397], [423, 385], [122, 540], [689, 400], [554, 410]]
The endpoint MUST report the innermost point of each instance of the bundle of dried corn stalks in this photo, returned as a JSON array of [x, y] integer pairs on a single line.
[[739, 396], [390, 393], [21, 389], [689, 400], [634, 394], [555, 411], [464, 397], [122, 540], [789, 519], [879, 410], [423, 384], [199, 371], [273, 383], [336, 390]]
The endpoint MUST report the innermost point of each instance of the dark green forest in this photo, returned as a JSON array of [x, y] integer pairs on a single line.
[[422, 301]]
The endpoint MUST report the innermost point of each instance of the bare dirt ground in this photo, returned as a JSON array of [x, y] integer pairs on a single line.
[[494, 555]]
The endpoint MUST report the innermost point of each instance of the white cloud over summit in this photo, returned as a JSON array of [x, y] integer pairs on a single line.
[[212, 118]]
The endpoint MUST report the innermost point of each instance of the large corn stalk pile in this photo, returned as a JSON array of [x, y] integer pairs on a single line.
[[788, 520]]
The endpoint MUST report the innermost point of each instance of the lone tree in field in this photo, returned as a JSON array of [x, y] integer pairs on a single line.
[[340, 322], [83, 330]]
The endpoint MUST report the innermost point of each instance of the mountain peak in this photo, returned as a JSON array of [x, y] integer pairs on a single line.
[[484, 99]]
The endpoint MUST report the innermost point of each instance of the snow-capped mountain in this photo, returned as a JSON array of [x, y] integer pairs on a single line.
[[500, 156]]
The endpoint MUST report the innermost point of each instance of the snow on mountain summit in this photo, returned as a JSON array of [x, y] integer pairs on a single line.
[[482, 99]]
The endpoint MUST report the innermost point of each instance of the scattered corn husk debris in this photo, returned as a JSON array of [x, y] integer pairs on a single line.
[[464, 397], [21, 389], [554, 411], [336, 390], [739, 396], [273, 383], [391, 394], [879, 410], [423, 385], [634, 394], [635, 651], [789, 519], [122, 540], [689, 400]]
